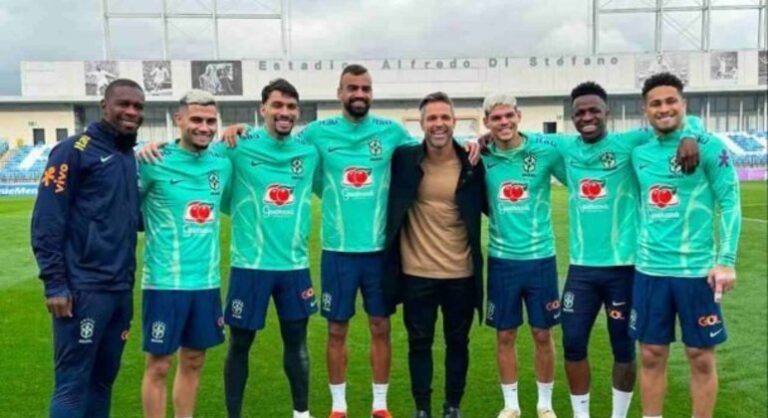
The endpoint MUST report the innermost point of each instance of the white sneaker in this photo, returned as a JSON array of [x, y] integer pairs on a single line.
[[509, 413], [546, 413]]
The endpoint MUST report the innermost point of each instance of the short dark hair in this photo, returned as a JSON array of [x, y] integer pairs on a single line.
[[121, 82], [435, 97], [279, 84], [662, 79], [589, 88], [354, 69]]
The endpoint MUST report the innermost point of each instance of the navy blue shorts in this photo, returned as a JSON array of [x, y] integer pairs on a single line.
[[87, 351], [342, 274], [588, 290], [250, 290], [659, 300], [512, 282], [181, 318]]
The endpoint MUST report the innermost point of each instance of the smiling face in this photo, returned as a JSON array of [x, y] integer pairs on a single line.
[[280, 113], [356, 94], [438, 122], [123, 108], [664, 108], [502, 121], [197, 124], [589, 115]]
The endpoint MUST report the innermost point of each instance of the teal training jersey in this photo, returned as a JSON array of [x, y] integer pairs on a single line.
[[602, 199], [181, 198], [519, 205], [355, 181], [603, 196], [271, 201], [678, 211]]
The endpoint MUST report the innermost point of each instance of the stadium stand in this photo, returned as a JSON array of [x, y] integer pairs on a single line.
[[23, 166], [26, 164], [746, 141]]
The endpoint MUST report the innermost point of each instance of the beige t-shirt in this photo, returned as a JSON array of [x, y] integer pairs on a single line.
[[434, 242]]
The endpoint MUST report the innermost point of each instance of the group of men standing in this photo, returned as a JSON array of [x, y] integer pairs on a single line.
[[401, 222]]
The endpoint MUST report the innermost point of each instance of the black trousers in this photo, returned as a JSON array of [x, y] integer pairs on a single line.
[[455, 298]]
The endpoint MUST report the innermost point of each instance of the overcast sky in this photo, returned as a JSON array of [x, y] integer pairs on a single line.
[[48, 30]]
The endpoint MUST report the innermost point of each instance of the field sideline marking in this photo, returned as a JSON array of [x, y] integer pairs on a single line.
[[762, 221]]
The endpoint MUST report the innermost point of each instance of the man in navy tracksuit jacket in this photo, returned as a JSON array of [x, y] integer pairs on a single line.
[[84, 228]]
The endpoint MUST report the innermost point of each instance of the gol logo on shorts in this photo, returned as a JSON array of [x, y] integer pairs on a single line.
[[709, 320]]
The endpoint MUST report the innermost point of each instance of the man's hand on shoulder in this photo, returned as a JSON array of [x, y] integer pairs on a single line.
[[688, 154], [152, 152], [231, 133]]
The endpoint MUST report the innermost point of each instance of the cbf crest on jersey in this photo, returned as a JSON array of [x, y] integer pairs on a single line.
[[374, 147], [675, 168], [214, 182], [297, 166], [608, 158], [529, 164]]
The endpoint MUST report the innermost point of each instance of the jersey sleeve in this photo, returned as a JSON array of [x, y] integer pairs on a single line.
[[558, 166], [306, 136], [317, 178], [724, 181], [50, 216], [146, 173], [636, 137], [226, 194]]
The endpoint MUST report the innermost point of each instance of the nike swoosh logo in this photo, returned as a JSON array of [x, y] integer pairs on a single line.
[[642, 166], [332, 149], [107, 158], [174, 181], [618, 303], [714, 334], [490, 166], [255, 163]]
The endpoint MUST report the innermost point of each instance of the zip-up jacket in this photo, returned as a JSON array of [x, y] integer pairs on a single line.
[[403, 192], [86, 215]]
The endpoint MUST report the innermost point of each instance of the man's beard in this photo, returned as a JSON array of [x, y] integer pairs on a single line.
[[357, 112]]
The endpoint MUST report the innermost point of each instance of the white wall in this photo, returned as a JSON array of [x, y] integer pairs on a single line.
[[405, 78]]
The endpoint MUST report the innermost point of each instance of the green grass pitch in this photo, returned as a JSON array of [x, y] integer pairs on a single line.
[[26, 378]]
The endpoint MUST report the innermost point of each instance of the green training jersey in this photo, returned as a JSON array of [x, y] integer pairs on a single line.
[[603, 196], [677, 211], [181, 198], [519, 205], [602, 199], [355, 181], [271, 201]]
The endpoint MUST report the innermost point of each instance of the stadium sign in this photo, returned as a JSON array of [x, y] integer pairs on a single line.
[[441, 64], [18, 189]]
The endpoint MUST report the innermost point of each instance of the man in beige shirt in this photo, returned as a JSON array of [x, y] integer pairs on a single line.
[[433, 240]]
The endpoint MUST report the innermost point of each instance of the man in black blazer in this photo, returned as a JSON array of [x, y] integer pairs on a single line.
[[436, 201]]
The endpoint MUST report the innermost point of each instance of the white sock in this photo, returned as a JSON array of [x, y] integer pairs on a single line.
[[621, 401], [510, 396], [297, 414], [380, 396], [580, 405], [545, 395], [339, 397]]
